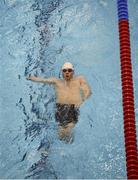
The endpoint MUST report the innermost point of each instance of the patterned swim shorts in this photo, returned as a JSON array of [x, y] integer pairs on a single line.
[[66, 113]]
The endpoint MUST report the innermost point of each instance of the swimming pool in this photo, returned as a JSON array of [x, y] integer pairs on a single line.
[[37, 36]]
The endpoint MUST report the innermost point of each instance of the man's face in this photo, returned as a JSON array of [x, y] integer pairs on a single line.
[[67, 74]]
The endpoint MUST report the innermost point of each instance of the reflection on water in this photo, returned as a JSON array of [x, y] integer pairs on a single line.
[[36, 38]]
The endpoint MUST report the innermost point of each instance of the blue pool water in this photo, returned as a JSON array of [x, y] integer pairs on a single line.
[[37, 37]]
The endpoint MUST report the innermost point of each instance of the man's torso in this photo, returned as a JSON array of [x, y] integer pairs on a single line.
[[68, 92]]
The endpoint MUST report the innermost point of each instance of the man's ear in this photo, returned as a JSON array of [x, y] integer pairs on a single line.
[[59, 75]]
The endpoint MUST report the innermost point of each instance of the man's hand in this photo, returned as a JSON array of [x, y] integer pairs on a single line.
[[78, 105], [32, 78]]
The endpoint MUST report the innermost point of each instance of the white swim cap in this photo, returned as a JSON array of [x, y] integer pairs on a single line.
[[67, 65]]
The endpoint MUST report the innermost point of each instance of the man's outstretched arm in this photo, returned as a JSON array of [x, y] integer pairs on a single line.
[[50, 80]]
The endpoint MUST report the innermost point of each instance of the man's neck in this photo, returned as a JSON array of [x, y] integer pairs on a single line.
[[67, 81]]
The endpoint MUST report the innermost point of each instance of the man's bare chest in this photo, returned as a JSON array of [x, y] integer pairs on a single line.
[[68, 86]]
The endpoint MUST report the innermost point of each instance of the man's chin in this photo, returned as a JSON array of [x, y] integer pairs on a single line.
[[67, 78]]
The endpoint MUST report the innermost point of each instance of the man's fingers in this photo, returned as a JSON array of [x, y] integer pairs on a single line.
[[77, 105], [28, 78]]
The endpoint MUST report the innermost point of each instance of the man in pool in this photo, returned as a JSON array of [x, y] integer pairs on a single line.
[[71, 92]]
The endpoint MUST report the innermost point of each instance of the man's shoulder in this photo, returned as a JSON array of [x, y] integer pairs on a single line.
[[80, 77]]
